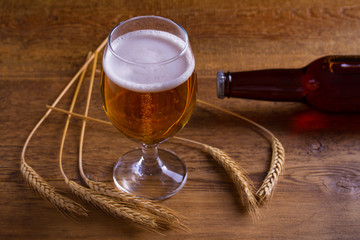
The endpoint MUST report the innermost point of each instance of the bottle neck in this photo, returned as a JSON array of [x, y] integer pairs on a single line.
[[272, 85]]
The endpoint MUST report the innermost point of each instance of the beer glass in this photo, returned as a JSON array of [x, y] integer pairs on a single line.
[[149, 87]]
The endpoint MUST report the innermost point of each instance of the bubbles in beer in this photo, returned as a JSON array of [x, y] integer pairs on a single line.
[[142, 63]]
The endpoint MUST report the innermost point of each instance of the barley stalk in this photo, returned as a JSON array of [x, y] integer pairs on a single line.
[[66, 206]]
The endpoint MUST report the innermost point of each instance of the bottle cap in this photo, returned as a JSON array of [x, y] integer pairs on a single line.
[[220, 86]]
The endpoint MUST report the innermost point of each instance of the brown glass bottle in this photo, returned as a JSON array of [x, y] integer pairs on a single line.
[[330, 83]]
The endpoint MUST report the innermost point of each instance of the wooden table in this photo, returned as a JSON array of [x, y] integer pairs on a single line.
[[43, 44]]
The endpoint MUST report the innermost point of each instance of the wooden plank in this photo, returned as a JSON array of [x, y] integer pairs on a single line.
[[42, 45]]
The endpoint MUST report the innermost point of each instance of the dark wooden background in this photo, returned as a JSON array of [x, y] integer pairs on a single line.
[[43, 44]]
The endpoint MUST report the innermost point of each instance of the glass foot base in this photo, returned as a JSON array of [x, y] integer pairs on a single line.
[[157, 180]]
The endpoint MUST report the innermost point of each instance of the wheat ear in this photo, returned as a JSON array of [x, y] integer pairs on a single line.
[[65, 205], [277, 165], [159, 210], [237, 174], [239, 177], [266, 190], [117, 209]]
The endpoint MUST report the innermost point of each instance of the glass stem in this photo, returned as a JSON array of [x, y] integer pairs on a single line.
[[150, 163]]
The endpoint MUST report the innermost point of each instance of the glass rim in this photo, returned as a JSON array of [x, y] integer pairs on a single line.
[[174, 58]]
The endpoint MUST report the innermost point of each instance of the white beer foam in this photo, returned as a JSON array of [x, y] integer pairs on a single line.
[[146, 48]]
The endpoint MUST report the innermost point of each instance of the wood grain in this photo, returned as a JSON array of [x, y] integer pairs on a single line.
[[42, 45]]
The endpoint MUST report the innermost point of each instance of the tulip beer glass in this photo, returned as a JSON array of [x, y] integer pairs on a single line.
[[148, 86]]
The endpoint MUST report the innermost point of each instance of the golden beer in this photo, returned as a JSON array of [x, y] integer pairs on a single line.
[[148, 97], [149, 117], [149, 87]]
